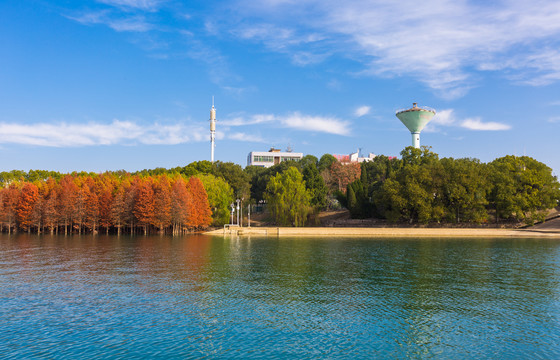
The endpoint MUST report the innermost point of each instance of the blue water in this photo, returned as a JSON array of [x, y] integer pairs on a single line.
[[213, 297]]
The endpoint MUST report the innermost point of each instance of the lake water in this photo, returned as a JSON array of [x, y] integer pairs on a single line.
[[213, 297]]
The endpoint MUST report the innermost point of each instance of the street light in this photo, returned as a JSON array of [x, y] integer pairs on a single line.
[[232, 210], [241, 211], [238, 201], [249, 214]]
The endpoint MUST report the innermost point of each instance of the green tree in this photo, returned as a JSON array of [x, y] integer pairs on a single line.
[[308, 160], [220, 196], [234, 175], [465, 190], [315, 185], [197, 167], [260, 177], [325, 162], [522, 188], [287, 197]]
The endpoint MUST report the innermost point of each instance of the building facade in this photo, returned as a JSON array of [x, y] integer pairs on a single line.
[[354, 157], [271, 157]]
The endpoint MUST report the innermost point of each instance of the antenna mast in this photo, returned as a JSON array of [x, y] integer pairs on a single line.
[[212, 130]]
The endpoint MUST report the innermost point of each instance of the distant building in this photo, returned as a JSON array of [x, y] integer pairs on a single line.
[[354, 157], [271, 157]]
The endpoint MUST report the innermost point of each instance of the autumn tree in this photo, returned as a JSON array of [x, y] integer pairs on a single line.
[[181, 203], [10, 200], [91, 204], [118, 208], [51, 216], [200, 215], [343, 174], [144, 206], [162, 203], [25, 206], [104, 187], [66, 201]]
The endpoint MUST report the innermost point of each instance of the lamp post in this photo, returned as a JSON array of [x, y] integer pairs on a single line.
[[232, 210], [238, 201], [249, 215], [241, 211]]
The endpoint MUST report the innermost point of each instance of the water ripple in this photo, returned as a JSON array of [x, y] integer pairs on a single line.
[[199, 297]]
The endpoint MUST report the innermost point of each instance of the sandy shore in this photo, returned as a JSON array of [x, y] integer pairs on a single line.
[[385, 232]]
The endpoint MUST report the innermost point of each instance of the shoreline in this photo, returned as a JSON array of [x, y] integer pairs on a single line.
[[383, 232]]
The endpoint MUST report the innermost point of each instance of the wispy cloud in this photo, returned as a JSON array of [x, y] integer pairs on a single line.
[[136, 23], [329, 125], [442, 43], [446, 118], [286, 40], [294, 120], [362, 110], [149, 5], [91, 134], [554, 119], [246, 137]]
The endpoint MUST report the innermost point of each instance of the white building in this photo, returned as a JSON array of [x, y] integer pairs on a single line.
[[354, 157], [271, 157]]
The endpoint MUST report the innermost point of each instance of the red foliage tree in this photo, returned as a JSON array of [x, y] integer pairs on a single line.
[[10, 199], [144, 206], [91, 204], [162, 203], [200, 215], [104, 188], [25, 206], [50, 213], [343, 174], [181, 202], [118, 208], [66, 201]]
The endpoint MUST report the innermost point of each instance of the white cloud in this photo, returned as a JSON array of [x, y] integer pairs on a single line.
[[246, 137], [136, 23], [295, 120], [554, 119], [93, 134], [362, 110], [244, 121], [149, 5], [329, 125], [439, 42], [444, 117], [447, 117], [477, 124]]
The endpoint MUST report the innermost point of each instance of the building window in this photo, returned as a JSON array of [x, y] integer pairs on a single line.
[[259, 158]]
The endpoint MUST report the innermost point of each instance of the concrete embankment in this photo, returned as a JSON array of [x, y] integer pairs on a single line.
[[383, 232]]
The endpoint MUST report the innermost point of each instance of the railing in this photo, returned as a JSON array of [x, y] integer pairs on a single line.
[[427, 108]]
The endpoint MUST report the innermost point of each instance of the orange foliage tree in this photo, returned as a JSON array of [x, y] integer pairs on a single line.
[[144, 206], [25, 206], [200, 214], [77, 203]]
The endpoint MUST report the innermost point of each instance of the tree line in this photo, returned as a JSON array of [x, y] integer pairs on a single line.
[[108, 202], [417, 188], [422, 188]]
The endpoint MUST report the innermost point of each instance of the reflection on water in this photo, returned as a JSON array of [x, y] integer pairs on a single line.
[[201, 296]]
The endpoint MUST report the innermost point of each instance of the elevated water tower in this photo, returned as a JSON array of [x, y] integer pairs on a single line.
[[415, 119]]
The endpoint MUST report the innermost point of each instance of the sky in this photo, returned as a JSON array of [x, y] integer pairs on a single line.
[[128, 84]]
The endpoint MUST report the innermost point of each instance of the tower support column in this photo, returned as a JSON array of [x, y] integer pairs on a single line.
[[416, 139]]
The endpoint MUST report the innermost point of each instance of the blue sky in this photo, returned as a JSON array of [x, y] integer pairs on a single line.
[[128, 84]]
